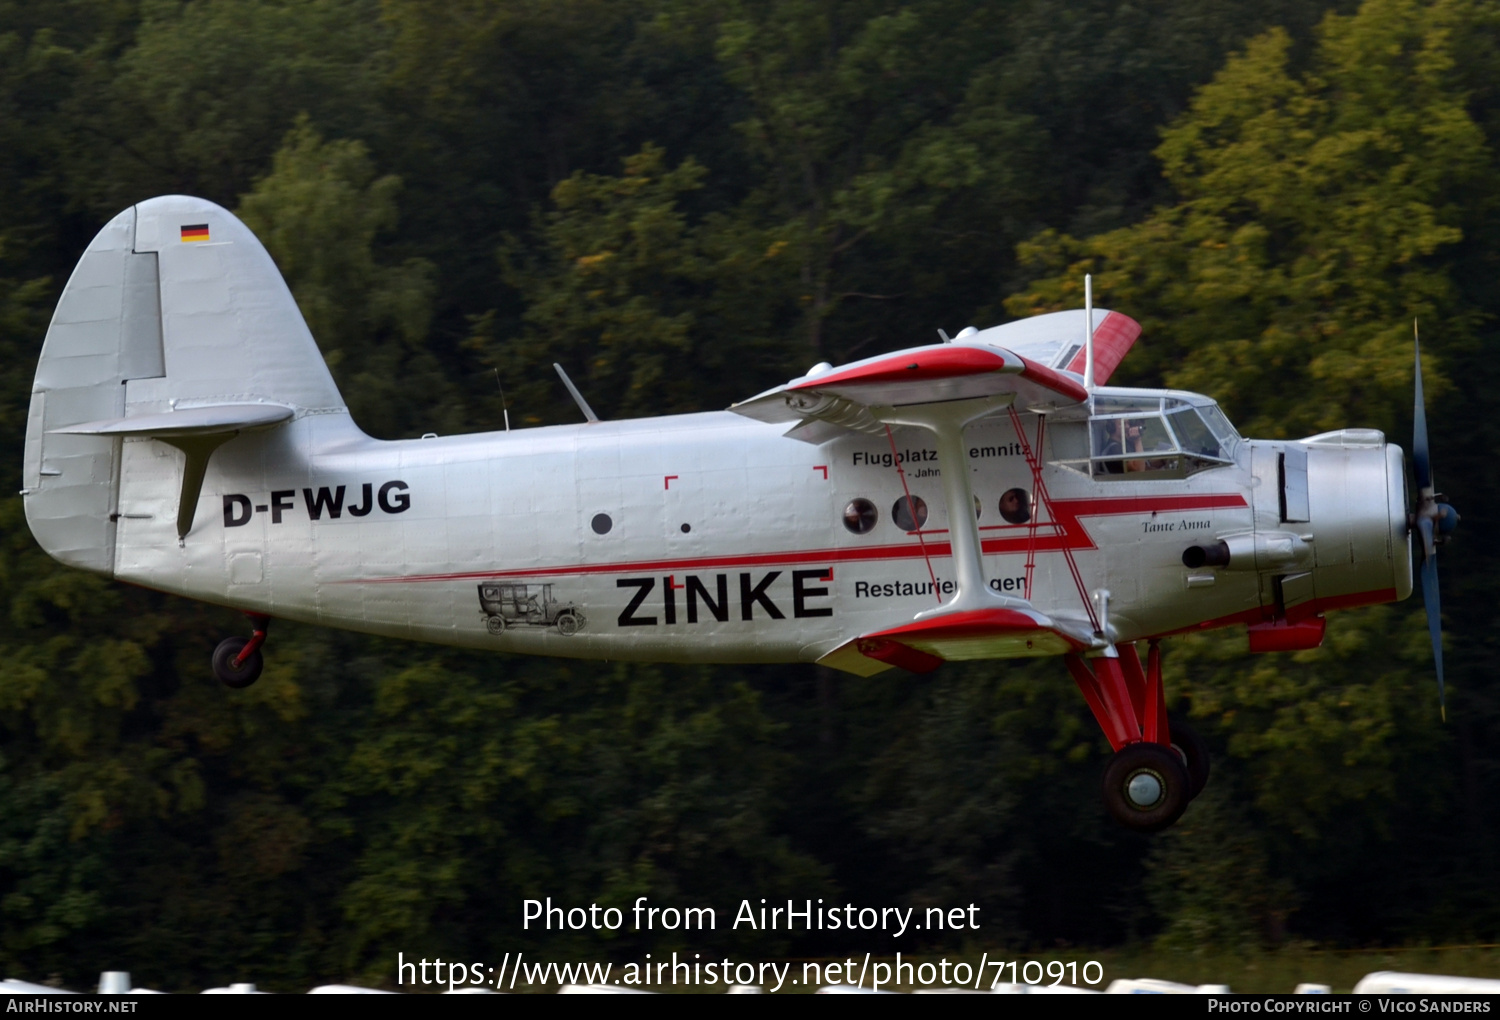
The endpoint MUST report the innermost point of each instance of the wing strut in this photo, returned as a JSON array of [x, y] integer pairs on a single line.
[[946, 422], [1034, 461], [912, 509], [977, 622]]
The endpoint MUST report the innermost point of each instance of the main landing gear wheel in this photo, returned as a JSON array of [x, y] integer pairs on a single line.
[[1146, 787], [234, 673], [1193, 752]]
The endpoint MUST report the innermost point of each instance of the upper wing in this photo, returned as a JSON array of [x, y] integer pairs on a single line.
[[829, 400]]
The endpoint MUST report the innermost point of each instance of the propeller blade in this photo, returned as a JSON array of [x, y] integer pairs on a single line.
[[1431, 600], [1420, 455], [1434, 521]]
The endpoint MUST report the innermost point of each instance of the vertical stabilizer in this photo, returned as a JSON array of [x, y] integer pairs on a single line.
[[231, 331], [175, 305]]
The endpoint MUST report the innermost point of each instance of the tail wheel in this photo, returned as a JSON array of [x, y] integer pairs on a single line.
[[1193, 752], [568, 624], [231, 675], [1146, 787]]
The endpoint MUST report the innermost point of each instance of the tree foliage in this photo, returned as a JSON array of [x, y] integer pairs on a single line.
[[684, 203], [1311, 204]]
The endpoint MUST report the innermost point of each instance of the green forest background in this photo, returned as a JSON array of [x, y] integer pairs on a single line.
[[685, 202]]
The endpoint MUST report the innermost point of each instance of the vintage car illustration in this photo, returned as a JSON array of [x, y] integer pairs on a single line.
[[508, 605]]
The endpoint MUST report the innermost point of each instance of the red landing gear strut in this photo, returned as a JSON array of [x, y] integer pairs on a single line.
[[237, 661], [1159, 766]]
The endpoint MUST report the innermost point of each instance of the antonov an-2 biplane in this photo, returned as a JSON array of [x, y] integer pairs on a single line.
[[987, 497]]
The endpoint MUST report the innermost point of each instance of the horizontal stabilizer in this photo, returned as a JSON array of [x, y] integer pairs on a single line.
[[196, 431], [189, 421]]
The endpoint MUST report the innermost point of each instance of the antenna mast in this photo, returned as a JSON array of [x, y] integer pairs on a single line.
[[503, 409]]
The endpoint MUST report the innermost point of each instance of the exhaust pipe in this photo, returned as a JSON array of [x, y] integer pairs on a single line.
[[1261, 550], [1215, 555]]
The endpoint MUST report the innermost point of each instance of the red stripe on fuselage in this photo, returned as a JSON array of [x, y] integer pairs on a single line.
[[1069, 533], [1072, 533]]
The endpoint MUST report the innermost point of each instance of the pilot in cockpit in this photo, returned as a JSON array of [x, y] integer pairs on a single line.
[[1120, 435]]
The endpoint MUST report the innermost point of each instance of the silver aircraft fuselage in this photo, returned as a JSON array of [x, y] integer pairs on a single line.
[[185, 434], [711, 537]]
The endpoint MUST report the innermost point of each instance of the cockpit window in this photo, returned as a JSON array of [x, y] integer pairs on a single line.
[[1193, 433], [1145, 437], [1133, 434], [1218, 423]]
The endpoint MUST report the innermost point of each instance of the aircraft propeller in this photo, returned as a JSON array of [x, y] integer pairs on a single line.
[[1434, 519]]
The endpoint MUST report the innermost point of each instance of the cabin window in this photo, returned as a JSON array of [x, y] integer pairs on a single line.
[[1015, 506], [909, 513], [1068, 443], [860, 516]]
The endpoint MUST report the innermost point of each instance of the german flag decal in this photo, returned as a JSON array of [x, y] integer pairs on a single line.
[[196, 232]]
